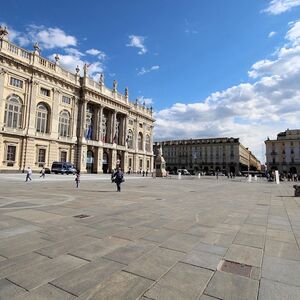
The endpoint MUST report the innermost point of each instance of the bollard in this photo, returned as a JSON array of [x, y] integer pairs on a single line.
[[179, 175], [249, 178], [255, 177], [277, 177], [199, 176]]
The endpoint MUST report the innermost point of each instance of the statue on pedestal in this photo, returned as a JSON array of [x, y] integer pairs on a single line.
[[115, 85], [160, 163]]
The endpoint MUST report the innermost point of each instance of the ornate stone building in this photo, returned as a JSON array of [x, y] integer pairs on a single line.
[[49, 114], [283, 154], [208, 155]]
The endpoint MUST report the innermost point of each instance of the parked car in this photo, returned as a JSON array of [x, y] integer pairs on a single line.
[[63, 168]]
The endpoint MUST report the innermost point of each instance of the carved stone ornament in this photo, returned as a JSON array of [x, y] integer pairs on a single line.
[[3, 32]]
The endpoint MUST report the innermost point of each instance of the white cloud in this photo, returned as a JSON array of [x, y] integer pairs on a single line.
[[50, 38], [100, 54], [251, 111], [144, 70], [147, 101], [277, 7], [272, 33], [137, 42]]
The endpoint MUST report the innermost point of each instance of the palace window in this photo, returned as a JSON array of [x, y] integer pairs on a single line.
[[16, 82], [63, 156], [89, 122], [130, 139], [41, 157], [45, 92], [104, 128], [66, 100], [11, 153], [64, 123], [13, 112], [148, 144], [140, 141], [42, 118]]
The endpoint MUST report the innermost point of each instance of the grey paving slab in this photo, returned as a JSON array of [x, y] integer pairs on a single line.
[[183, 281], [87, 276], [181, 242], [272, 290], [155, 263], [99, 248], [159, 235], [45, 271], [282, 270], [230, 286], [8, 290], [219, 239], [202, 259], [67, 245], [46, 292], [282, 250], [280, 235], [131, 251], [214, 249], [121, 285], [252, 240], [198, 230], [245, 255], [133, 233], [253, 229], [19, 263]]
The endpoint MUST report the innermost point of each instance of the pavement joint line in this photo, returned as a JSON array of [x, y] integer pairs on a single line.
[[16, 284], [43, 254], [60, 288], [186, 263], [110, 259], [172, 249], [88, 260], [129, 272], [212, 296]]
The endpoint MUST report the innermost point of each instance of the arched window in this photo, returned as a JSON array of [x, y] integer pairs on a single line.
[[64, 123], [130, 139], [140, 141], [42, 118], [148, 144], [13, 112]]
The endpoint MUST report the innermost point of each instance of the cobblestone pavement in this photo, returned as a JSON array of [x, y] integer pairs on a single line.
[[157, 239]]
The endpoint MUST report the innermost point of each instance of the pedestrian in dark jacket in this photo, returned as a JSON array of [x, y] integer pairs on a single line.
[[118, 177]]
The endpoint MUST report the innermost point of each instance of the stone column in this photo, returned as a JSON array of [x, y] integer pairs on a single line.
[[99, 129], [2, 100], [54, 121], [95, 124], [113, 126], [99, 160], [125, 126], [83, 119], [136, 135], [32, 107]]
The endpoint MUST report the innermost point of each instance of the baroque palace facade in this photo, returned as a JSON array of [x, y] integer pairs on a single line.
[[208, 155], [283, 154], [49, 114]]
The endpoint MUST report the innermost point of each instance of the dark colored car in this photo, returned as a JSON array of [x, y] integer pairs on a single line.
[[63, 168]]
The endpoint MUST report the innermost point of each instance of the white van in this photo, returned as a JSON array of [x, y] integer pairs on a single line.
[[183, 172]]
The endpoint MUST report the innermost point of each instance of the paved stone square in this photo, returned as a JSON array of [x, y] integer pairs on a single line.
[[157, 239]]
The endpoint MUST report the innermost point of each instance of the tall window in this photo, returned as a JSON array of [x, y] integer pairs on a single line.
[[130, 139], [11, 153], [64, 123], [148, 144], [140, 141], [45, 92], [42, 118], [13, 112], [41, 157], [63, 156]]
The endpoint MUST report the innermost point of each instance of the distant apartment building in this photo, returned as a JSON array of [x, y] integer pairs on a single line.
[[283, 154], [50, 114], [208, 155]]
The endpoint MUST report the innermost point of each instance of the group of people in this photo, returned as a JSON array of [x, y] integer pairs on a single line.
[[116, 177]]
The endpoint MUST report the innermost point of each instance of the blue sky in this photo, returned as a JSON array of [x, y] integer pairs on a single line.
[[209, 68]]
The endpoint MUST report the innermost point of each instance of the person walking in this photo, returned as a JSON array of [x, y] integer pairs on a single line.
[[28, 174], [118, 177], [43, 172], [77, 178]]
